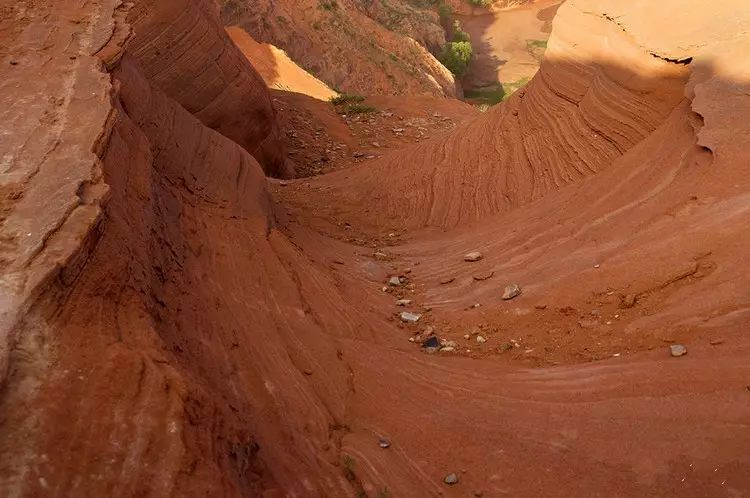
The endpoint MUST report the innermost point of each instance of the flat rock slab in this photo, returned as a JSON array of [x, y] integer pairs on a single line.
[[409, 317], [483, 276]]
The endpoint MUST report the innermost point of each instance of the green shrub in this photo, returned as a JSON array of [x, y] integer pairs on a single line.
[[444, 11], [456, 56], [459, 35], [346, 98], [359, 109]]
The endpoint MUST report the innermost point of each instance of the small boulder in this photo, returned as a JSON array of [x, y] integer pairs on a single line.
[[447, 349], [628, 301], [451, 479], [506, 346], [511, 291], [473, 256], [394, 281], [677, 350], [481, 339]]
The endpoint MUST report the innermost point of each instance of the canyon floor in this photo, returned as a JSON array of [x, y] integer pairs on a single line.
[[215, 284]]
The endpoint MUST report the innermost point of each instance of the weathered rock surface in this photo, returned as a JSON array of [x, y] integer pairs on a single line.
[[156, 320]]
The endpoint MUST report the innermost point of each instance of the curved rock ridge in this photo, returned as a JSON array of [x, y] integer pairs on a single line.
[[184, 51], [595, 97]]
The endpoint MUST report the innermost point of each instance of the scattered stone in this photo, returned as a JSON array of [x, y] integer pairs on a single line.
[[403, 302], [409, 317], [716, 342], [283, 183], [384, 443], [451, 479], [447, 280], [475, 305], [481, 339], [473, 256], [511, 291], [677, 350], [506, 346], [379, 255], [447, 349], [338, 261], [597, 265], [385, 288], [426, 309], [467, 336], [450, 344], [307, 371], [358, 154], [395, 281], [483, 276], [628, 301], [541, 306], [13, 62]]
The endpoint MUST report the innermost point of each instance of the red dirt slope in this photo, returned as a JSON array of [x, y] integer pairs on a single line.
[[168, 329], [221, 88]]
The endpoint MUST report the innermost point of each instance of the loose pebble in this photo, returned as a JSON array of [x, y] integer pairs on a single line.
[[481, 339], [451, 479], [384, 443], [677, 350], [395, 281], [403, 302], [447, 280]]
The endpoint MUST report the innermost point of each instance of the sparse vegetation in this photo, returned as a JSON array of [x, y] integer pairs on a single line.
[[359, 109], [535, 44], [444, 11], [330, 5], [493, 94], [351, 104], [459, 35], [346, 99], [456, 56], [349, 462], [536, 48]]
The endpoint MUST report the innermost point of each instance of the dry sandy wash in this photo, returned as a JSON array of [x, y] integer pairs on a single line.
[[175, 323]]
